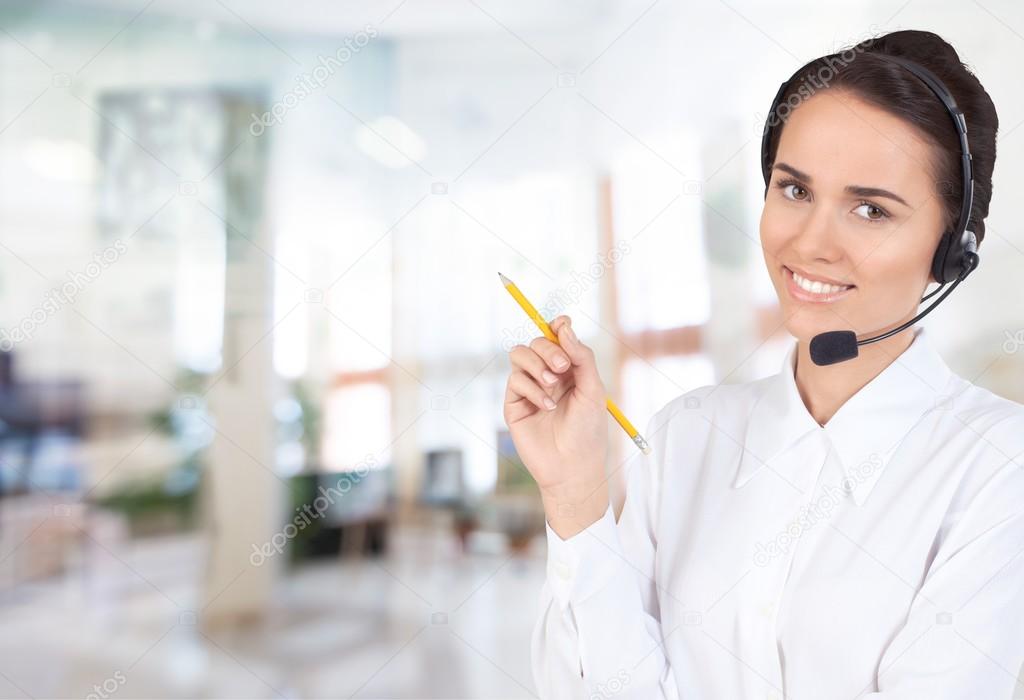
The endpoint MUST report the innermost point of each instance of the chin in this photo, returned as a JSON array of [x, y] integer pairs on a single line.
[[804, 324]]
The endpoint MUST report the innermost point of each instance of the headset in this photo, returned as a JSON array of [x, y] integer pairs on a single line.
[[957, 253]]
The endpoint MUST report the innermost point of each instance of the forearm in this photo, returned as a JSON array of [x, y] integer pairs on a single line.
[[594, 622]]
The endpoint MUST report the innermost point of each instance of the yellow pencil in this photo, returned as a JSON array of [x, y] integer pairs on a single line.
[[550, 335]]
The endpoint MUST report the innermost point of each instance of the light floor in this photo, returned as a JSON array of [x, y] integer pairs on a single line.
[[424, 622]]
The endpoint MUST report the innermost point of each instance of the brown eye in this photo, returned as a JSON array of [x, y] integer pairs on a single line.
[[794, 191], [798, 193], [870, 212]]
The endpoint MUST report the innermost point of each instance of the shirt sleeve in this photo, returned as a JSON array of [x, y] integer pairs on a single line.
[[963, 635], [599, 633]]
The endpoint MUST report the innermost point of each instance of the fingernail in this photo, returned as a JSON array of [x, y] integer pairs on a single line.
[[561, 363], [548, 403], [549, 377]]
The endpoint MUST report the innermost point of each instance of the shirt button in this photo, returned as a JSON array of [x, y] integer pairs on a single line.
[[562, 570]]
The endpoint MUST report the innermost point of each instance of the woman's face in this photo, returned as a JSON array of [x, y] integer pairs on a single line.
[[852, 203]]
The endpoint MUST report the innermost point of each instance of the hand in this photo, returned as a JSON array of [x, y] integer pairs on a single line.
[[564, 443]]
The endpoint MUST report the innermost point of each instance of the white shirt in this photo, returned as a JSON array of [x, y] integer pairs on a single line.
[[761, 555]]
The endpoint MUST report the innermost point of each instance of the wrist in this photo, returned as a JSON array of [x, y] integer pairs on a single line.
[[572, 508]]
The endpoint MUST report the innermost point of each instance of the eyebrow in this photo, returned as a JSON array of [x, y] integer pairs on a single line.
[[858, 190]]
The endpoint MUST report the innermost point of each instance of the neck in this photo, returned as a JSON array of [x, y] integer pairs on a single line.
[[825, 388]]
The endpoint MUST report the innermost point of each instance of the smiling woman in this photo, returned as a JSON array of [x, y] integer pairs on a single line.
[[945, 174], [748, 560]]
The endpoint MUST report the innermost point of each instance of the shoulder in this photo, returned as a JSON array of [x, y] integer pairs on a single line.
[[716, 401], [686, 424], [703, 425], [990, 442], [988, 417]]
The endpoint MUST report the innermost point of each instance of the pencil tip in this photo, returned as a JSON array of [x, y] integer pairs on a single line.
[[504, 280]]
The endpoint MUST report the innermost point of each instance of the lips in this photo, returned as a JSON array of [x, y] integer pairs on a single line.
[[815, 291], [819, 278]]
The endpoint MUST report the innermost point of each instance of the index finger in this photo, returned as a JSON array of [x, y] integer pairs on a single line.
[[558, 322]]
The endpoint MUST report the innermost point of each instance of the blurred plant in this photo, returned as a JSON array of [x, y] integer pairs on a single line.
[[190, 384], [514, 477], [515, 506], [311, 420], [298, 418], [154, 502]]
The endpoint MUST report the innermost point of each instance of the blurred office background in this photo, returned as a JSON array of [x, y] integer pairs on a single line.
[[255, 346]]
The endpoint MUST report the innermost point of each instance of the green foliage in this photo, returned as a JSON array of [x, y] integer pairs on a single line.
[[311, 419], [513, 476], [172, 496]]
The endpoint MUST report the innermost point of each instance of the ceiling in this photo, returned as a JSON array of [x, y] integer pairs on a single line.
[[402, 18]]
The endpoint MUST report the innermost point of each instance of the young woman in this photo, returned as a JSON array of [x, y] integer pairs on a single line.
[[839, 530]]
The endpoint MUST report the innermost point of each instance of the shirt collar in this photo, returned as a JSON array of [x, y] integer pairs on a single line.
[[863, 432]]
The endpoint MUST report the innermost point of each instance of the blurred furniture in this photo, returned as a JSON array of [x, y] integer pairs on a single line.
[[512, 510], [516, 506], [444, 488], [443, 481], [38, 537], [342, 512], [28, 410], [42, 537]]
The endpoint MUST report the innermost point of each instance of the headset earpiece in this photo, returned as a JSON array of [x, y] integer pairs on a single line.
[[953, 260], [941, 260]]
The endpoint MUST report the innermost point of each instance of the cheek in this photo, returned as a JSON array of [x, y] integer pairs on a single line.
[[773, 231], [892, 273], [779, 231]]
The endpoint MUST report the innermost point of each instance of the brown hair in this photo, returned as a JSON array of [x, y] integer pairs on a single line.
[[890, 86]]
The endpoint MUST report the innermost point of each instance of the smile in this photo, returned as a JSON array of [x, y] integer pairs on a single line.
[[802, 289]]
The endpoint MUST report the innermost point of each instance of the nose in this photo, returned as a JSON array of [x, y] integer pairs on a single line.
[[818, 239]]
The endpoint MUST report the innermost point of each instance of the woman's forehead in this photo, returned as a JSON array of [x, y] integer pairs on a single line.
[[839, 139]]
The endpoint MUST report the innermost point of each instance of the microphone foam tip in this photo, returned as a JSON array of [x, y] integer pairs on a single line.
[[833, 346]]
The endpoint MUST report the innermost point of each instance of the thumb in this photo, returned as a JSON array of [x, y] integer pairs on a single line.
[[584, 364]]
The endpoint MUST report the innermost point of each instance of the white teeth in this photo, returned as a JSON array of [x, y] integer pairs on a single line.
[[817, 287]]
